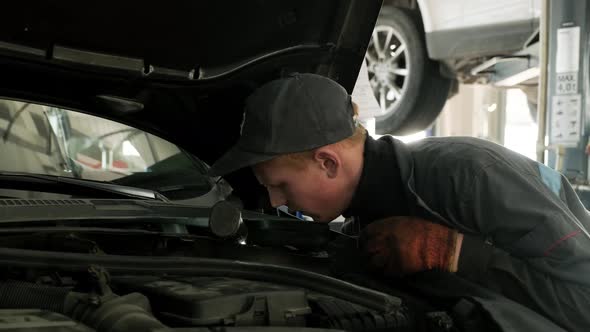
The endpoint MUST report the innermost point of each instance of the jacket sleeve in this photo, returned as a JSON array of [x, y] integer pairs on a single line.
[[527, 244]]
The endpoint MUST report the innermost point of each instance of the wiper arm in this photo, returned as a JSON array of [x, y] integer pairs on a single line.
[[15, 179], [13, 120]]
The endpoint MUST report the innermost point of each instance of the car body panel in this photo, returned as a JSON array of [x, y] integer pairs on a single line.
[[468, 28], [491, 40], [463, 14]]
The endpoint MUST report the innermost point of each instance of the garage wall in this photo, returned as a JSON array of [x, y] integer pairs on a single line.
[[477, 111]]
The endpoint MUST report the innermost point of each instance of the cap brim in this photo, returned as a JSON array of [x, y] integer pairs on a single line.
[[236, 159]]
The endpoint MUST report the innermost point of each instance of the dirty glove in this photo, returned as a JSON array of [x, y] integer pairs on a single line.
[[403, 245]]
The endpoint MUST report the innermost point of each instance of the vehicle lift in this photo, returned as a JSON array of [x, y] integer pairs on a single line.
[[557, 60]]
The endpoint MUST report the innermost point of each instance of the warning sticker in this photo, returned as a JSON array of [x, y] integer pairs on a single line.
[[566, 83], [566, 116], [568, 50]]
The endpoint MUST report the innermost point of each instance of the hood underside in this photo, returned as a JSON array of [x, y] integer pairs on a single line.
[[182, 69]]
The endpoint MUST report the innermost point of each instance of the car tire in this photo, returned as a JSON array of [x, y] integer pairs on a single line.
[[417, 97]]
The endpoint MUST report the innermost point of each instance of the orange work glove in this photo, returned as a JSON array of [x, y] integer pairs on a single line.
[[403, 245]]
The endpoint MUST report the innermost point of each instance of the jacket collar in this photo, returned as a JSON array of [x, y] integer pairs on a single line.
[[384, 188]]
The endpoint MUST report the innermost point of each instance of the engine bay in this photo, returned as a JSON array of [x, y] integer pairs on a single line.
[[97, 301], [64, 269]]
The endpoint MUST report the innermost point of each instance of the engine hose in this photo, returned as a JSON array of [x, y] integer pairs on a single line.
[[131, 312], [18, 294], [113, 313]]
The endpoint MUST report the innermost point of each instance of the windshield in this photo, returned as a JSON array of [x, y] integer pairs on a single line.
[[41, 139]]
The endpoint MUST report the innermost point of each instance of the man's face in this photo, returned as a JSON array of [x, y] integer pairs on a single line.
[[306, 188]]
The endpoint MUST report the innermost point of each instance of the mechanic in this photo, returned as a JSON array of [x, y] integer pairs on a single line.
[[457, 204]]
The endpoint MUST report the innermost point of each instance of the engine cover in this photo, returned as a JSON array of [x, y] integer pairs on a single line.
[[205, 301]]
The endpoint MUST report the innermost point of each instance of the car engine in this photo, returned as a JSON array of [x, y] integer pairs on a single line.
[[179, 303], [99, 270]]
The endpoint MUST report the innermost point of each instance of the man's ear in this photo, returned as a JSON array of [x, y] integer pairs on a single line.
[[328, 160]]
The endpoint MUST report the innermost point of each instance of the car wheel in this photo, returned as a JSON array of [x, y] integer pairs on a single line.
[[407, 84]]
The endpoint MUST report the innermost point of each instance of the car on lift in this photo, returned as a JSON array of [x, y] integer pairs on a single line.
[[421, 49], [111, 113]]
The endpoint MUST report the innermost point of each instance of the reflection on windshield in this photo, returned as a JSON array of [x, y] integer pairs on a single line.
[[47, 140]]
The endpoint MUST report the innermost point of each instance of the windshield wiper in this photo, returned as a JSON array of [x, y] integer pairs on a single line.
[[13, 120], [72, 186]]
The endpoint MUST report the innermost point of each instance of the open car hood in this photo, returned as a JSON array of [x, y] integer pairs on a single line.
[[182, 69]]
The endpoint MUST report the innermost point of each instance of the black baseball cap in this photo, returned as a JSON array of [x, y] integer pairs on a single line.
[[297, 113]]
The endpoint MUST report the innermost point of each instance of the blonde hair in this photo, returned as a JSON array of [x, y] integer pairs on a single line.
[[298, 159]]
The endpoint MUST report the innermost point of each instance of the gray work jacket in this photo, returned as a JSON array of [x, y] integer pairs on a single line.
[[526, 231]]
